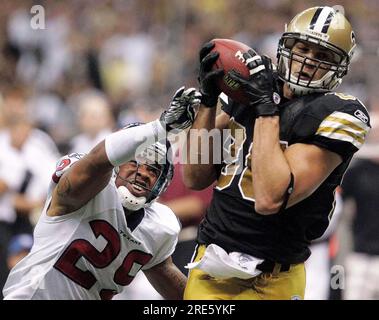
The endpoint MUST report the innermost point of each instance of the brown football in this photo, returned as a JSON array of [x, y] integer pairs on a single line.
[[231, 58]]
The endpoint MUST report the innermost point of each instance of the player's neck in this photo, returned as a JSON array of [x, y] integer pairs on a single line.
[[128, 212]]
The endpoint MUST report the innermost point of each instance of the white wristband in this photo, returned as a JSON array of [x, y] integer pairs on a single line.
[[122, 146]]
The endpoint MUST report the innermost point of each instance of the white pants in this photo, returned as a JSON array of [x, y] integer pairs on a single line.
[[317, 269]]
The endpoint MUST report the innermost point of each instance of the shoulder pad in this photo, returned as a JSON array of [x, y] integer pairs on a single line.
[[334, 121], [349, 120], [325, 104]]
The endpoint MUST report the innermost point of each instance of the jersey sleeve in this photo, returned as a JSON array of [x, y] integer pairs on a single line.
[[167, 248], [332, 123], [164, 230]]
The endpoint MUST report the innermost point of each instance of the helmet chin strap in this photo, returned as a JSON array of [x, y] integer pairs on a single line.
[[130, 201]]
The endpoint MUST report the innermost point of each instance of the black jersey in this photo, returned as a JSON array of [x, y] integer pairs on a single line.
[[333, 121]]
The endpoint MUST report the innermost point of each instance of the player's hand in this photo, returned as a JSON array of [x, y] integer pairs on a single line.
[[261, 88], [180, 114], [207, 77]]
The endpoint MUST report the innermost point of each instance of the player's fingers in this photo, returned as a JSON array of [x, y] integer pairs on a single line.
[[256, 70], [205, 49], [179, 92], [197, 95], [191, 112], [252, 52], [215, 74], [209, 60], [267, 62], [189, 92], [254, 63], [236, 77]]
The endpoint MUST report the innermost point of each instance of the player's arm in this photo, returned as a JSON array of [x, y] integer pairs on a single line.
[[85, 179], [198, 175], [88, 176], [329, 140], [301, 167], [167, 279], [283, 178], [309, 164]]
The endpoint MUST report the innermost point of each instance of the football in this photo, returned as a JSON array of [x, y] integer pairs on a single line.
[[231, 58]]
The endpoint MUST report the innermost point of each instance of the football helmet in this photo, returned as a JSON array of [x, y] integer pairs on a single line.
[[323, 26], [157, 157]]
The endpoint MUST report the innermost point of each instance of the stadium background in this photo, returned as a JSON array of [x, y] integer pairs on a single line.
[[128, 57]]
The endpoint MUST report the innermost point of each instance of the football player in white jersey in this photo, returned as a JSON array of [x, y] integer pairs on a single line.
[[100, 224]]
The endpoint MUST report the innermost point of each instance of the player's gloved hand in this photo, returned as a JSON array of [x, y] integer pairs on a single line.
[[180, 114], [207, 77], [261, 88]]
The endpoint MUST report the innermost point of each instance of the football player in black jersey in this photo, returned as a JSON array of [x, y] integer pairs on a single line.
[[290, 147]]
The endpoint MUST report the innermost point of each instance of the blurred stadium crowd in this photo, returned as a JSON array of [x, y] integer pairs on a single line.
[[98, 65]]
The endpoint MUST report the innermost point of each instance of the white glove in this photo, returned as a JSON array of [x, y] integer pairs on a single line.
[[181, 114]]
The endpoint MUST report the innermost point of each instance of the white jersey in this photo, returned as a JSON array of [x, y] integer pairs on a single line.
[[93, 252]]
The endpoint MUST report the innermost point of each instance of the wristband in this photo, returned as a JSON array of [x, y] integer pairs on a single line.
[[208, 101], [266, 110], [121, 146]]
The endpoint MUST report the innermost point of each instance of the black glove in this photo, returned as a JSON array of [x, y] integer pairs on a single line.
[[207, 77], [181, 113], [261, 88]]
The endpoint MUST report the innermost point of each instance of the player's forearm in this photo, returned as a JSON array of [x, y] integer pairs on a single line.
[[199, 171], [168, 280], [271, 172], [123, 145], [83, 181], [91, 174]]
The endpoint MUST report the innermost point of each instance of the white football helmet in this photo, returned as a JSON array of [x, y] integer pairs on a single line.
[[159, 157]]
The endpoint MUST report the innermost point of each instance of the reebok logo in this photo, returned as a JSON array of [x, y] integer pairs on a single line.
[[361, 116]]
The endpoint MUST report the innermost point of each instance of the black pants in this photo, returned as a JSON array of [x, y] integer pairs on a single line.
[[183, 254]]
